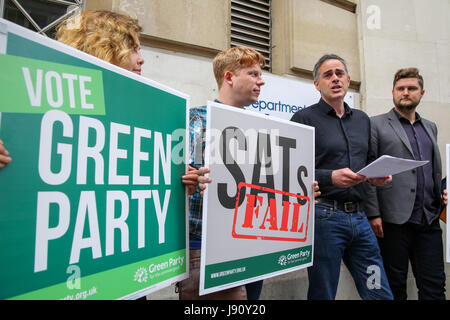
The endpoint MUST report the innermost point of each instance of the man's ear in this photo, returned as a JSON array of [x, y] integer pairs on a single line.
[[228, 77], [316, 84]]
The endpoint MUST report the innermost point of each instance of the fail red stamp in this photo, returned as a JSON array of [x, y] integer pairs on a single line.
[[270, 214]]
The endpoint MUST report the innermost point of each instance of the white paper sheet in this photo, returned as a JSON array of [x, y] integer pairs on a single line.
[[387, 165]]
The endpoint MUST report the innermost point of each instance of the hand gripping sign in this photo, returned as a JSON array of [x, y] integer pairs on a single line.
[[257, 212]]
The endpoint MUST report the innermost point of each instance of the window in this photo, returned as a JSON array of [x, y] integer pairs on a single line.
[[41, 16], [251, 26], [344, 4]]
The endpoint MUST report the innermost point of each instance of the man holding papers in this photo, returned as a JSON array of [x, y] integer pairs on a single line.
[[404, 214], [341, 229]]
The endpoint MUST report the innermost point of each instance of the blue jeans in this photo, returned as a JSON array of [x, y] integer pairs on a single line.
[[348, 237]]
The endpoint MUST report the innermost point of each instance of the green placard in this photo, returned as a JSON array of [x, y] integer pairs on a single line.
[[93, 197]]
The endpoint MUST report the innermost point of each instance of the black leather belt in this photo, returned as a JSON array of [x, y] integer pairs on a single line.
[[346, 206]]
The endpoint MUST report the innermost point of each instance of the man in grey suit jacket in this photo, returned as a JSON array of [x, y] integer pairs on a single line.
[[404, 214]]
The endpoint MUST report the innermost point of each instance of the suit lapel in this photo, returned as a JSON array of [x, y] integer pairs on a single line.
[[429, 131], [398, 129]]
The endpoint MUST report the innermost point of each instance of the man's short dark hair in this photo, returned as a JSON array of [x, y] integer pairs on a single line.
[[325, 58], [408, 73]]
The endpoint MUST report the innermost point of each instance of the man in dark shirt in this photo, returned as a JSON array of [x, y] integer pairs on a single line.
[[341, 229], [405, 213]]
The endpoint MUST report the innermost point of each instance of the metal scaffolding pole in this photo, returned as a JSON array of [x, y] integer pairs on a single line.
[[2, 5]]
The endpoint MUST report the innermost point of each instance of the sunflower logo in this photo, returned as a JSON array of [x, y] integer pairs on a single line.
[[282, 260], [141, 275]]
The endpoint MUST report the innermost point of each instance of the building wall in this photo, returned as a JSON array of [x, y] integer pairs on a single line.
[[407, 33], [376, 37], [304, 30], [200, 24]]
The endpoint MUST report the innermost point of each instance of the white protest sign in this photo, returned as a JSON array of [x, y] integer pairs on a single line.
[[258, 212]]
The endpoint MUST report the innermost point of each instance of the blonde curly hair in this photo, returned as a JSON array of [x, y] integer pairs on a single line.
[[104, 34]]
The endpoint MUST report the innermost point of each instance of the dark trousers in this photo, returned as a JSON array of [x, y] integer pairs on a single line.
[[422, 246], [254, 290], [189, 288]]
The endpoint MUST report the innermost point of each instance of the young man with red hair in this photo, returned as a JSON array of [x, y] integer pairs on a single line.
[[238, 72]]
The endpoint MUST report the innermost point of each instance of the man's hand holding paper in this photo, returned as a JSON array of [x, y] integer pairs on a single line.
[[379, 182], [386, 166]]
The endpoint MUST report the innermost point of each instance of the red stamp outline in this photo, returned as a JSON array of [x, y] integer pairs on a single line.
[[242, 236]]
